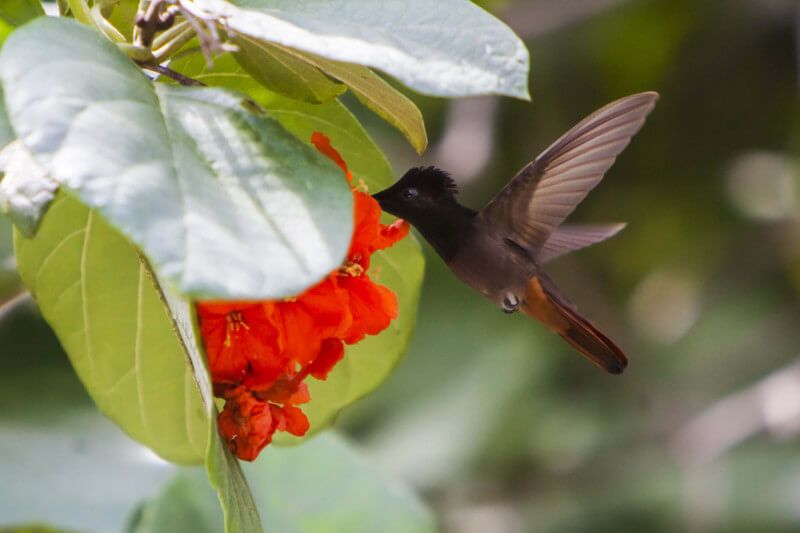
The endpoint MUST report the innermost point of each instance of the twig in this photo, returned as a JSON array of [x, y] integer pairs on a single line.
[[168, 72], [9, 306]]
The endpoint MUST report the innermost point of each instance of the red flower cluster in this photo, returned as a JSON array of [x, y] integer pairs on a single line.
[[261, 352]]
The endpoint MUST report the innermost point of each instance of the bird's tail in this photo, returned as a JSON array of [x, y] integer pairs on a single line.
[[557, 314]]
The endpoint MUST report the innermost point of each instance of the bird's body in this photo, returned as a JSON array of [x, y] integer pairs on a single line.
[[499, 250]]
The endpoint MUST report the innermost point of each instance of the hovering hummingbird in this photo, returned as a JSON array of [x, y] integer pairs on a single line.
[[499, 251]]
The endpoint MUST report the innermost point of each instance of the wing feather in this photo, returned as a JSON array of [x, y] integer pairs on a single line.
[[538, 199], [568, 238]]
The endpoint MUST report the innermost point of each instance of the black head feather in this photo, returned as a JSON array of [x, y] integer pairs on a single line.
[[431, 181]]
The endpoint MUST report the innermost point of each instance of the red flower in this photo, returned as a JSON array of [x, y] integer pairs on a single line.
[[236, 335], [260, 353]]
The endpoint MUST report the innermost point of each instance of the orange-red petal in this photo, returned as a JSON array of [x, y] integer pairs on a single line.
[[332, 352], [373, 307], [323, 144], [236, 336], [247, 425]]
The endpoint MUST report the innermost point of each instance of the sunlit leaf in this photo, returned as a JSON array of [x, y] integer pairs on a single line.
[[96, 294], [285, 73], [387, 102], [225, 204], [132, 343], [443, 48]]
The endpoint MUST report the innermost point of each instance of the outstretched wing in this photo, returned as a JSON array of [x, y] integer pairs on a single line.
[[570, 237], [549, 188]]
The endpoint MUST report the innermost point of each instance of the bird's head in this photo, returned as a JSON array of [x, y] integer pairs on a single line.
[[420, 190]]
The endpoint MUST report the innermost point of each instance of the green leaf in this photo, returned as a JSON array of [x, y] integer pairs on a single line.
[[383, 99], [123, 16], [14, 13], [225, 204], [442, 48], [284, 73], [323, 485], [364, 158], [401, 267], [96, 294], [132, 343], [25, 189]]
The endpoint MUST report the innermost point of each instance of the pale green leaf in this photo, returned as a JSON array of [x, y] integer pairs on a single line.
[[225, 204], [96, 294], [284, 73], [442, 48], [383, 99], [322, 486], [132, 343]]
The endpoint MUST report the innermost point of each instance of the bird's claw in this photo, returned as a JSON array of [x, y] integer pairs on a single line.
[[510, 303]]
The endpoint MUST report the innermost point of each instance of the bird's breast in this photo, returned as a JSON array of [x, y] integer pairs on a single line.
[[488, 265]]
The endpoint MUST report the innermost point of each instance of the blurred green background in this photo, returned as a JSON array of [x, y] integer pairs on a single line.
[[499, 425]]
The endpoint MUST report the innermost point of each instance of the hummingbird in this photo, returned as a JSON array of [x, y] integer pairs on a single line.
[[499, 251]]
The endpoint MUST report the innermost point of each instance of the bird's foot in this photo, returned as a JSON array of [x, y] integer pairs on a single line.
[[511, 303]]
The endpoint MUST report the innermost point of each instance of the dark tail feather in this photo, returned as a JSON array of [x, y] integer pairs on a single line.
[[590, 342]]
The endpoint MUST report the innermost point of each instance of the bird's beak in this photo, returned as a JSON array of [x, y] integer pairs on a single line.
[[384, 199]]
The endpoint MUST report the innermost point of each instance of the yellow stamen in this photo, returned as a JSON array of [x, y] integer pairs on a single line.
[[351, 268], [234, 320]]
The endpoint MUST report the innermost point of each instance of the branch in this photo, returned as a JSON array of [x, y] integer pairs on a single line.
[[168, 72]]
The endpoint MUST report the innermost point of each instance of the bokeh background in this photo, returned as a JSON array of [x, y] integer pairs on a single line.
[[499, 425]]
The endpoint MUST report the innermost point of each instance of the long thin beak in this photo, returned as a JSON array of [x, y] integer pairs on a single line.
[[381, 197]]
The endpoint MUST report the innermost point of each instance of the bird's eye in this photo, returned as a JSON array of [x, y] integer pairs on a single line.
[[410, 193]]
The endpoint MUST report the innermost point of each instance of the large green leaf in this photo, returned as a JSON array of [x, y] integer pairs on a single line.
[[95, 292], [321, 486], [284, 73], [224, 203], [443, 48], [132, 343], [401, 267], [15, 13]]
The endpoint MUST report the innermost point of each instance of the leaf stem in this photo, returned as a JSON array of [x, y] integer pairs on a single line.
[[8, 307]]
